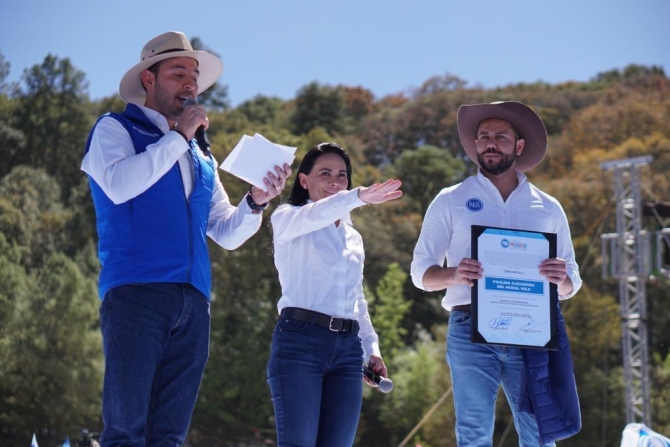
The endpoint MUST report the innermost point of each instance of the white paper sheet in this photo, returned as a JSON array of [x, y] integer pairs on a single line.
[[253, 157]]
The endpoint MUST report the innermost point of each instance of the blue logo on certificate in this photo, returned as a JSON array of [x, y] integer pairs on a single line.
[[474, 205], [504, 243]]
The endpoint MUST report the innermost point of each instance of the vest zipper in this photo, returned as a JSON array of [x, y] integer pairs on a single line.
[[190, 242], [193, 162]]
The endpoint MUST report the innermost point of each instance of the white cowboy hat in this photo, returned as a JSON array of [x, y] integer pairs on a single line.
[[526, 122], [165, 46]]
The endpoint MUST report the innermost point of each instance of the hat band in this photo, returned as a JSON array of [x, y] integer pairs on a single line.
[[173, 50]]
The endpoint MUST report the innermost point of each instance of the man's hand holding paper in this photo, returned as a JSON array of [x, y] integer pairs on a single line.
[[264, 164], [274, 185]]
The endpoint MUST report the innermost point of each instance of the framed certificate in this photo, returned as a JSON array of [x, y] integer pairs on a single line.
[[512, 304]]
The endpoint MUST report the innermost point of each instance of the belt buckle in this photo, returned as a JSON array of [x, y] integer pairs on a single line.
[[330, 325]]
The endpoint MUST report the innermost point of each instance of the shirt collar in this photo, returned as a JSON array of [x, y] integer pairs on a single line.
[[156, 118], [482, 180]]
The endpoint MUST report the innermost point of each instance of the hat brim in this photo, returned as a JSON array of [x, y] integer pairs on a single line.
[[527, 123], [210, 67]]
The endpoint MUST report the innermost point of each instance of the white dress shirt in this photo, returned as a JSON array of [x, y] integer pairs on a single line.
[[320, 264], [445, 234], [122, 174]]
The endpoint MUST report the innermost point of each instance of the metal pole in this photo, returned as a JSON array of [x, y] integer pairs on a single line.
[[630, 268]]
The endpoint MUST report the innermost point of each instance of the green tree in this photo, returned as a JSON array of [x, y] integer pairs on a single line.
[[4, 72], [11, 139], [420, 379], [262, 109], [388, 308], [112, 103], [437, 84], [592, 321], [51, 374], [318, 106], [427, 120], [52, 115], [660, 379], [49, 341], [14, 285], [424, 172], [32, 215], [632, 71]]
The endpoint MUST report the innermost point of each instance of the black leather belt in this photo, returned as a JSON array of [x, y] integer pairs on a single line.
[[333, 323], [461, 308]]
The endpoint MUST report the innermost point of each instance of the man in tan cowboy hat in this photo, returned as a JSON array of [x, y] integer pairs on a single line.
[[505, 139], [157, 196]]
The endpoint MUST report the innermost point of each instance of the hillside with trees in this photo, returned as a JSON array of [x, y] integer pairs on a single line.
[[50, 345]]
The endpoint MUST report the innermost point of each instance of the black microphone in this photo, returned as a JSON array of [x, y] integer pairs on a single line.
[[200, 134], [385, 384]]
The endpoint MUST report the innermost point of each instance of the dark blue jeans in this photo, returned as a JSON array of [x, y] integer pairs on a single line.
[[156, 344], [316, 380]]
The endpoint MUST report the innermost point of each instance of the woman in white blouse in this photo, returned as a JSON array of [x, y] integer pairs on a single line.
[[324, 333]]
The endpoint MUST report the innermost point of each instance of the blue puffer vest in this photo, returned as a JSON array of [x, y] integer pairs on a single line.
[[549, 391], [158, 236]]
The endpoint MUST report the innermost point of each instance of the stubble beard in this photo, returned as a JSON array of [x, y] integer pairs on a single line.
[[166, 103]]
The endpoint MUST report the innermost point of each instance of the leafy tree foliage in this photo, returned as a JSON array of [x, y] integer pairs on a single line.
[[4, 72], [51, 114], [436, 84], [318, 106], [388, 308], [630, 72], [52, 372], [424, 172], [262, 109], [420, 378]]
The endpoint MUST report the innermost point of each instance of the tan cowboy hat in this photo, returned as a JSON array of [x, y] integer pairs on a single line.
[[526, 122], [165, 46]]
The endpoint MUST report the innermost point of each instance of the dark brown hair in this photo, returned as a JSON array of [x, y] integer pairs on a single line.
[[299, 195]]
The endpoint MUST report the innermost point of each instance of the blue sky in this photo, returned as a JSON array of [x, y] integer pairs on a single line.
[[274, 47]]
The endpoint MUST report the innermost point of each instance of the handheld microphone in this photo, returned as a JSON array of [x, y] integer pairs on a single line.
[[200, 134], [385, 384]]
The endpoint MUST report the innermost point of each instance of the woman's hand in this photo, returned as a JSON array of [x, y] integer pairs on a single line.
[[380, 193], [376, 364]]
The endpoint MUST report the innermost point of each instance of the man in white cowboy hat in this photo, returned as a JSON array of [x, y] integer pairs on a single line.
[[504, 139], [157, 196]]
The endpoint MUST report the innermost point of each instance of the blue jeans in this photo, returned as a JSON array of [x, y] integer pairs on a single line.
[[156, 344], [316, 380], [477, 370]]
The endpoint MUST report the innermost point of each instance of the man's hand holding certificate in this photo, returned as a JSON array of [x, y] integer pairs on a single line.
[[513, 304]]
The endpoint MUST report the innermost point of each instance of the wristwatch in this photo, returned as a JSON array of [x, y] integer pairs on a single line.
[[253, 204]]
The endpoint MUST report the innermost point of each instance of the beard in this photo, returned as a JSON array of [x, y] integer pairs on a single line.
[[165, 103], [506, 161]]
